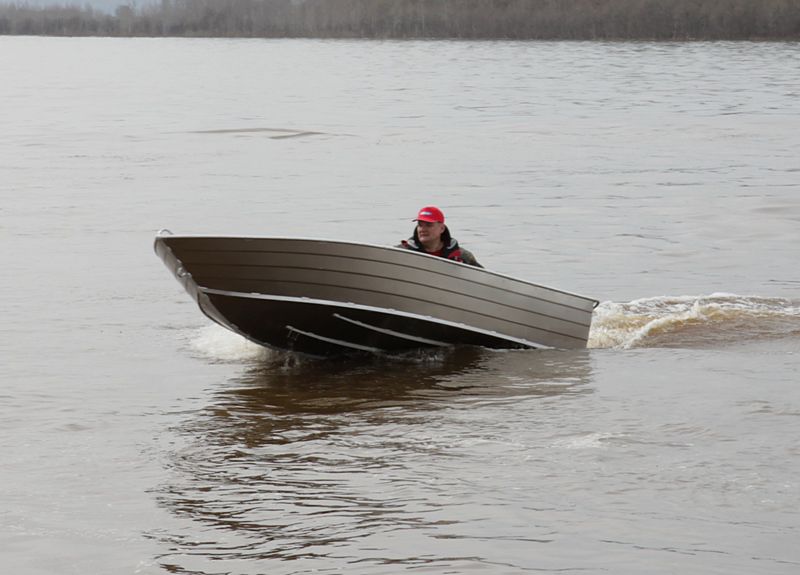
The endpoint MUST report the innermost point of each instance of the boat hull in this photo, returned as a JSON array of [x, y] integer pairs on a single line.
[[329, 298]]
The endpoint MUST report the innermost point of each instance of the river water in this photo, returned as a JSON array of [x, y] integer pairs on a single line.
[[660, 179]]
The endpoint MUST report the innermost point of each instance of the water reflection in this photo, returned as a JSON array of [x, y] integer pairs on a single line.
[[347, 461]]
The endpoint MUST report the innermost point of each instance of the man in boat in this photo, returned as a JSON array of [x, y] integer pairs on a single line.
[[432, 237]]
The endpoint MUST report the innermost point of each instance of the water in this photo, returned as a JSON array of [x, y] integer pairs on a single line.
[[661, 179]]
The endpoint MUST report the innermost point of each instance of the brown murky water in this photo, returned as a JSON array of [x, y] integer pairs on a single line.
[[659, 178]]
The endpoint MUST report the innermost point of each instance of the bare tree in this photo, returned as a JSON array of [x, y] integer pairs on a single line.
[[476, 19]]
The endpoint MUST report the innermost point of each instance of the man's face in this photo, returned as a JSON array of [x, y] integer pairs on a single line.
[[429, 232]]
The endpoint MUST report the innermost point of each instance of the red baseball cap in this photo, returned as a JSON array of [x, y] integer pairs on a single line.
[[430, 214]]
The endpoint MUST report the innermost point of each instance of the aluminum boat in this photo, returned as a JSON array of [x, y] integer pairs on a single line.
[[325, 298]]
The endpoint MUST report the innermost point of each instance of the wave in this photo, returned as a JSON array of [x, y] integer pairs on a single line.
[[693, 321], [214, 342], [679, 322]]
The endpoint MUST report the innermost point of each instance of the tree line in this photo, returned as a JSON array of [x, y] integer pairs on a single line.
[[467, 19]]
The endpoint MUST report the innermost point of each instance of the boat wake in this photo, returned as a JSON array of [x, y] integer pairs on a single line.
[[675, 322], [216, 343], [694, 321]]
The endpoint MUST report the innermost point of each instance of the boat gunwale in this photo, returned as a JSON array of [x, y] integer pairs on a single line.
[[392, 248]]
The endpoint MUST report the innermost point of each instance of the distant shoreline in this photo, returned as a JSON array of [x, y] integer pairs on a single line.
[[617, 20]]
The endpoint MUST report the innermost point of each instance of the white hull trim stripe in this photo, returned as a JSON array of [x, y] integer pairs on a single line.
[[335, 341], [391, 332], [348, 305]]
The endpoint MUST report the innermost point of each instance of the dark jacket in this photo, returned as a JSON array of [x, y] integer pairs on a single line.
[[451, 251]]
